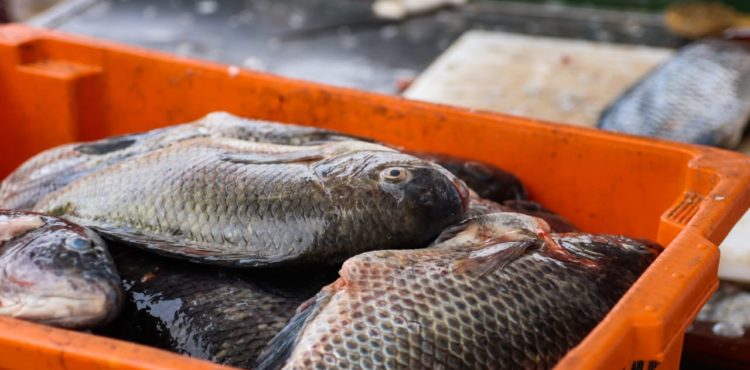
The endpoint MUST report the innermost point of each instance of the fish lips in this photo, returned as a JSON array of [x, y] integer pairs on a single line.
[[69, 303], [441, 195]]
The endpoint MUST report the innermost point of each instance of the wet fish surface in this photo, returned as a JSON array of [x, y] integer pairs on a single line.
[[487, 181], [700, 96], [496, 292], [210, 313], [237, 203], [57, 167], [55, 272]]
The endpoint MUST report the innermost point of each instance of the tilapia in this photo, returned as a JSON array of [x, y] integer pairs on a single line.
[[487, 181], [237, 203], [700, 96], [210, 313], [497, 292], [57, 167], [55, 272]]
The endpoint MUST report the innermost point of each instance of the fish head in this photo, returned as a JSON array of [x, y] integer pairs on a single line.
[[401, 191], [602, 250], [60, 274], [490, 225]]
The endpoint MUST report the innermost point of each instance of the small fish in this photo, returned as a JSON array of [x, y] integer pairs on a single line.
[[210, 313], [55, 272], [57, 167], [232, 202], [487, 181], [496, 292], [700, 96]]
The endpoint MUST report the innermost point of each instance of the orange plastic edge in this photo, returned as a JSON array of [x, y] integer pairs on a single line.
[[60, 88]]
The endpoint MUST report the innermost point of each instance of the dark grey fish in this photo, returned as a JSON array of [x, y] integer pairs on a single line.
[[701, 96], [55, 272], [216, 314], [57, 167], [498, 293], [489, 182], [237, 203]]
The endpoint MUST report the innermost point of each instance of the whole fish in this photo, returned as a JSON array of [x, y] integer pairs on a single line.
[[701, 96], [209, 313], [57, 167], [55, 272], [487, 181], [496, 292], [238, 203]]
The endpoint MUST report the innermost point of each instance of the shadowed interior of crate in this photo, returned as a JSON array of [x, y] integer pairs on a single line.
[[57, 92]]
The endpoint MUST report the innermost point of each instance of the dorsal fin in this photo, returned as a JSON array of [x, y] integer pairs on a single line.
[[302, 156], [493, 256], [278, 351], [109, 145]]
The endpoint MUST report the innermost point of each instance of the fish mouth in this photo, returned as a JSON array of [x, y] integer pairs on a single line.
[[462, 190], [95, 306]]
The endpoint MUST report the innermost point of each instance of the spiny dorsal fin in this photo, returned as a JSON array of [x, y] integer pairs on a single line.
[[301, 156], [493, 256], [110, 145], [280, 348]]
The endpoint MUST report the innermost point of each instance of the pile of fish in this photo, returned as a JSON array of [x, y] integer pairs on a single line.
[[221, 238]]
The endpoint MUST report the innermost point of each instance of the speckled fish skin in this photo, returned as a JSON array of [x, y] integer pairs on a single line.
[[55, 272], [500, 294], [210, 313], [700, 96], [57, 167], [224, 202]]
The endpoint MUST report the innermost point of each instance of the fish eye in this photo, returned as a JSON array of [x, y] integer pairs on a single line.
[[395, 174], [77, 244]]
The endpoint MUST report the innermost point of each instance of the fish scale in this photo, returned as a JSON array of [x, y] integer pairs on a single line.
[[56, 168], [442, 308], [701, 96], [218, 315]]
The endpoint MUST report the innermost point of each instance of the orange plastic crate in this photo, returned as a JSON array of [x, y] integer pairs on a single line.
[[56, 88]]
